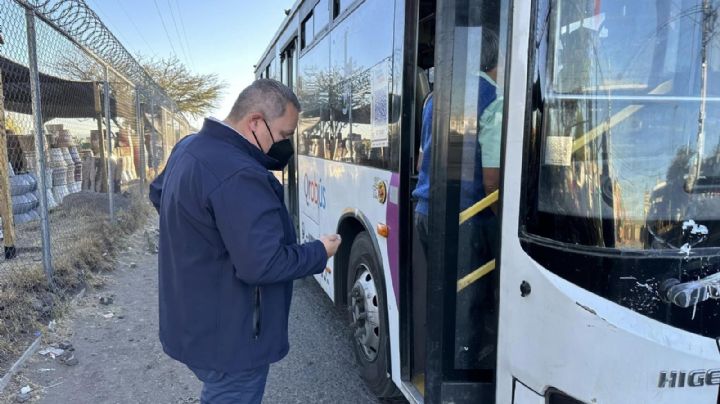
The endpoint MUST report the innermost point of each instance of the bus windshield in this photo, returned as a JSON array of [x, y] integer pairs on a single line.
[[626, 122]]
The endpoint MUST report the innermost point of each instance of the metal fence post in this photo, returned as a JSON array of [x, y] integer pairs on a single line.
[[153, 135], [141, 136], [39, 142], [108, 127]]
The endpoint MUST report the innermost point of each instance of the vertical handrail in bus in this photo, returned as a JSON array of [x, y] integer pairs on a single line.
[[466, 215]]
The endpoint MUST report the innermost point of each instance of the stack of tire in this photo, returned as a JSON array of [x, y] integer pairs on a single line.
[[24, 199]]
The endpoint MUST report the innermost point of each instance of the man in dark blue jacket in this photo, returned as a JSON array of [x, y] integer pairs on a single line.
[[228, 249]]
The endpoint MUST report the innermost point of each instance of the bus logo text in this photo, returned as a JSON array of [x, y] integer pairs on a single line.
[[315, 193], [693, 378]]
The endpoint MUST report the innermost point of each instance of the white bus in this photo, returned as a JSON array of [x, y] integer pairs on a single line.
[[592, 275]]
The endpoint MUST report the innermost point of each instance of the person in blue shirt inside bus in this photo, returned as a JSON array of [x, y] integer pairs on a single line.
[[481, 161], [422, 189], [476, 327], [478, 236]]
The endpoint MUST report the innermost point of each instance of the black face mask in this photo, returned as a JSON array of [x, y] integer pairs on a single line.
[[281, 151]]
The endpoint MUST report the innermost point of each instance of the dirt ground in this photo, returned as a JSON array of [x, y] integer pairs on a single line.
[[82, 245], [120, 359]]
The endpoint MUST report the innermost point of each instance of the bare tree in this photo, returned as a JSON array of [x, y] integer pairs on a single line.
[[195, 94]]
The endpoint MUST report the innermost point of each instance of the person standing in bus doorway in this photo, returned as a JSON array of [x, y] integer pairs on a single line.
[[422, 189], [228, 250], [486, 176], [478, 236]]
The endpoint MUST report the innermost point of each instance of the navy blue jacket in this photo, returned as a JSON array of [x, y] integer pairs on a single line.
[[228, 254]]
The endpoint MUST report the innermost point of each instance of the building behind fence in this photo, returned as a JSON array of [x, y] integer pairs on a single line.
[[81, 125]]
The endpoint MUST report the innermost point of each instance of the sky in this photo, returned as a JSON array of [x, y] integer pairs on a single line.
[[224, 37]]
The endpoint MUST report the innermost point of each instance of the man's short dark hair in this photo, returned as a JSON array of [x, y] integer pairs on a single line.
[[490, 50], [266, 96]]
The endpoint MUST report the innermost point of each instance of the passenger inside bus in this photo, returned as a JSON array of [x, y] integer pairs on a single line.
[[480, 174], [484, 175]]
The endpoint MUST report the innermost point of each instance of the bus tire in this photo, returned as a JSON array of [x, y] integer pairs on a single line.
[[368, 316]]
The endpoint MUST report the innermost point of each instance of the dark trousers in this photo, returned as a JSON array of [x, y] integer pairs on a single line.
[[421, 224], [246, 387]]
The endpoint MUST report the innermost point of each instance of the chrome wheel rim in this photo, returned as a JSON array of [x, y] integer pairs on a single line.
[[364, 306]]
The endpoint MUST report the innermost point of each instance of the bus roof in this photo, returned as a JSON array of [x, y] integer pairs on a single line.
[[280, 30]]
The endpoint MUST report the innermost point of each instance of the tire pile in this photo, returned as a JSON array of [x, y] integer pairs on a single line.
[[63, 176], [24, 193]]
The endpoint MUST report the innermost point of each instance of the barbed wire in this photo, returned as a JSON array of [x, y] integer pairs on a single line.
[[79, 22]]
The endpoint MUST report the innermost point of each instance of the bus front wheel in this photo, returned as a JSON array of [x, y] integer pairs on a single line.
[[368, 316]]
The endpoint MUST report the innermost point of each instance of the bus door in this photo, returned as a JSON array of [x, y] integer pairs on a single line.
[[421, 14], [463, 242]]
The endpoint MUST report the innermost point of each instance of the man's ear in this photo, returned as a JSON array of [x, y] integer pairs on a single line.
[[254, 119]]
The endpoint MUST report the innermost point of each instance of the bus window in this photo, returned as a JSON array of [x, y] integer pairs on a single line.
[[626, 156], [346, 105], [359, 80], [313, 88], [287, 65], [283, 70], [321, 11], [307, 31], [339, 140], [650, 108], [339, 6]]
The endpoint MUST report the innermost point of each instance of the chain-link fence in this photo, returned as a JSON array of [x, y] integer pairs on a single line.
[[83, 129]]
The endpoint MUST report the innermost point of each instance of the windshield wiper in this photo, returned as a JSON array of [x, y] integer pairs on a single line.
[[691, 293]]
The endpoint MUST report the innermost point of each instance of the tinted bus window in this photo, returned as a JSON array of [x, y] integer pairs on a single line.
[[339, 6], [322, 15], [313, 89], [630, 129], [361, 78], [625, 152], [363, 39], [307, 31]]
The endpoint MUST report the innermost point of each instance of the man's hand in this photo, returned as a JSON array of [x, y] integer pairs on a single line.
[[331, 243]]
